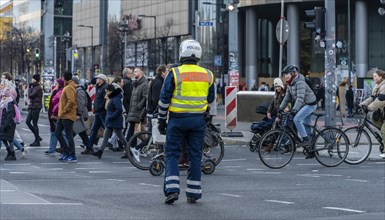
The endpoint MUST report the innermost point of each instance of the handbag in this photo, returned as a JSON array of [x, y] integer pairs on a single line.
[[157, 137]]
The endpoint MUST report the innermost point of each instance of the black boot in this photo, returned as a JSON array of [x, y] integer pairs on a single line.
[[10, 156], [35, 144], [98, 154]]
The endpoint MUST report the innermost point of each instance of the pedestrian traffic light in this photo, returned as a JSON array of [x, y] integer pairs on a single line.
[[318, 23], [37, 53]]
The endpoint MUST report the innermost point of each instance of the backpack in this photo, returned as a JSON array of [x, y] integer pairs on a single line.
[[310, 84], [89, 100]]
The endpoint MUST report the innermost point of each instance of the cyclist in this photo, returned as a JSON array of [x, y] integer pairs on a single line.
[[299, 93], [377, 102]]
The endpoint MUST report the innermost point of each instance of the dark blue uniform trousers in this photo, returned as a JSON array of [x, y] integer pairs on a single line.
[[187, 131]]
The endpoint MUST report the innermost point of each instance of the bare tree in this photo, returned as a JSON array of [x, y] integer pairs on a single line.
[[166, 50]]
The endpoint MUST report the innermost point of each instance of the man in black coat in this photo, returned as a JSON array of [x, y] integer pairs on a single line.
[[127, 88], [154, 92], [35, 95]]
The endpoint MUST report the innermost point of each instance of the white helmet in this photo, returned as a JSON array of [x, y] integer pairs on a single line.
[[278, 82], [190, 49]]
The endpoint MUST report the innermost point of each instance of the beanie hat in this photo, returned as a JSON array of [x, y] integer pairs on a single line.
[[60, 82], [76, 80], [36, 77], [102, 76], [278, 82]]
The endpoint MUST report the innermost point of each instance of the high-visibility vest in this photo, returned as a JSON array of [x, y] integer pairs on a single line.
[[192, 85]]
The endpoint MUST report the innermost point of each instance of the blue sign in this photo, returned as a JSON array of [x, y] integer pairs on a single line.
[[205, 23], [217, 60]]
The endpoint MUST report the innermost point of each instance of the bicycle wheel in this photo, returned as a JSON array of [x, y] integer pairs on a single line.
[[215, 153], [360, 145], [143, 140], [331, 147], [276, 148]]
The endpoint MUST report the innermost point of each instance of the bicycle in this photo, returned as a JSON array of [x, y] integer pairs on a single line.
[[152, 154], [361, 146], [330, 145]]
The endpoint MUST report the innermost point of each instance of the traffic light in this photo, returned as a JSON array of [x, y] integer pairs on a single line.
[[37, 53], [318, 23]]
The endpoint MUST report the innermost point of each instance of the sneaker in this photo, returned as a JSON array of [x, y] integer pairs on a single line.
[[382, 155], [171, 198], [63, 157], [191, 200], [306, 142], [23, 153], [98, 154], [69, 159], [135, 153], [88, 151]]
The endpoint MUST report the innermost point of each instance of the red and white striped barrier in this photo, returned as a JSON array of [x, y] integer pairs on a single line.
[[91, 91], [231, 107]]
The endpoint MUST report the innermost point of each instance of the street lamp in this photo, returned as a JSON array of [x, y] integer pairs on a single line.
[[92, 47], [154, 17], [123, 27]]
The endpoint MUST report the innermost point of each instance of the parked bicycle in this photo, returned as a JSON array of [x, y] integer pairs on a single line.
[[330, 145], [152, 153], [361, 142]]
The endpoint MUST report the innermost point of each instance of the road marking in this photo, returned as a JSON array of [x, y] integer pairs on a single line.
[[307, 164], [84, 163], [232, 166], [309, 175], [100, 171], [17, 164], [116, 180], [147, 184], [344, 209], [55, 169], [334, 175], [30, 203], [252, 169], [266, 172], [43, 125], [357, 180], [231, 195], [122, 162], [17, 172], [230, 160], [54, 163], [85, 168], [7, 190], [279, 201]]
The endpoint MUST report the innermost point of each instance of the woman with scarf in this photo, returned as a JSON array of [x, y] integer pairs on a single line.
[[7, 123]]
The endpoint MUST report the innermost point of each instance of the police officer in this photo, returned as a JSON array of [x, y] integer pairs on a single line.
[[187, 90]]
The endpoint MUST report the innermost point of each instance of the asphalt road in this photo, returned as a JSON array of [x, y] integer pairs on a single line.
[[41, 187]]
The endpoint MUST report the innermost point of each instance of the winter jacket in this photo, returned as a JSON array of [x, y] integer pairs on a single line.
[[114, 116], [67, 104], [300, 93], [275, 103], [99, 101], [377, 100], [53, 102], [35, 95], [154, 94], [127, 93], [8, 125], [138, 100]]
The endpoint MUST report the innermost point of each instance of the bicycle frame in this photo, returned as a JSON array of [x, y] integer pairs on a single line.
[[368, 124]]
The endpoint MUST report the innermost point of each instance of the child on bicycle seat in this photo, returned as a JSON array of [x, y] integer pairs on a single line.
[[299, 93], [377, 101]]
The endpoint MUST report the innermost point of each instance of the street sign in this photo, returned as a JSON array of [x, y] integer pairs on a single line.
[[285, 31], [205, 23]]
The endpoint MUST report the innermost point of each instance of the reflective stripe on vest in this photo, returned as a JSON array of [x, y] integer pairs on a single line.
[[192, 85]]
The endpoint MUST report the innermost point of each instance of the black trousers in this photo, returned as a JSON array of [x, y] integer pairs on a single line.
[[33, 115]]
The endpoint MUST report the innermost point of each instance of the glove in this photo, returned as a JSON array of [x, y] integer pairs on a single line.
[[162, 125], [365, 108], [293, 113]]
